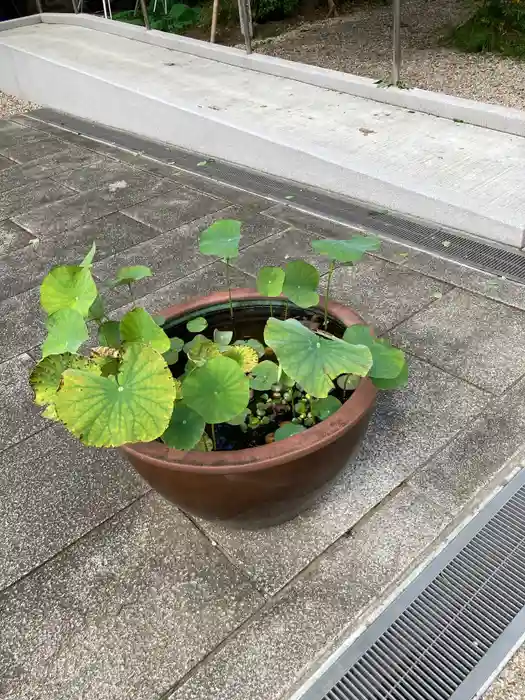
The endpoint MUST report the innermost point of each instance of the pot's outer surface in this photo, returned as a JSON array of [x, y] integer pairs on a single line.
[[263, 485]]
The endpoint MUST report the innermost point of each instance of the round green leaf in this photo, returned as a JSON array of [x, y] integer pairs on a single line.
[[387, 360], [240, 418], [137, 326], [134, 273], [270, 281], [323, 408], [176, 345], [66, 331], [47, 374], [68, 287], [201, 349], [345, 251], [312, 360], [264, 375], [135, 406], [288, 430], [88, 260], [222, 338], [221, 239], [109, 334], [300, 283], [196, 325], [218, 391], [396, 383], [185, 428], [348, 382]]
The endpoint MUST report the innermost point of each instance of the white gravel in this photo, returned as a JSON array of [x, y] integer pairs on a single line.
[[360, 42], [511, 683], [10, 105]]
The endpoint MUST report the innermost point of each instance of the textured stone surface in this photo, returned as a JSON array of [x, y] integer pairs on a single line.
[[31, 148], [208, 279], [472, 337], [465, 466], [313, 224], [382, 293], [22, 326], [124, 613], [484, 283], [68, 159], [88, 206], [54, 490], [25, 198], [268, 657], [170, 256], [12, 237], [94, 175], [19, 417], [5, 163], [407, 428], [26, 267], [179, 206], [280, 249]]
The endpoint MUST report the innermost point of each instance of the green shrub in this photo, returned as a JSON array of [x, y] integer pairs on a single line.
[[265, 10], [496, 26]]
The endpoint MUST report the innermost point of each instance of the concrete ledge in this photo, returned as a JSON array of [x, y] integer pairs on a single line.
[[510, 121]]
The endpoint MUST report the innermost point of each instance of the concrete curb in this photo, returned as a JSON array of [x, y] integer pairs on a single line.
[[505, 119]]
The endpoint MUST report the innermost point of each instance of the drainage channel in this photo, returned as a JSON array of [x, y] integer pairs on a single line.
[[456, 246], [452, 628]]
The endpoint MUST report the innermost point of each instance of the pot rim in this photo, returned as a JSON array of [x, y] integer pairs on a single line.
[[263, 456]]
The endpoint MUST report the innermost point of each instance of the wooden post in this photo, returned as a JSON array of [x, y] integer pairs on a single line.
[[244, 16], [145, 14], [215, 12], [396, 41]]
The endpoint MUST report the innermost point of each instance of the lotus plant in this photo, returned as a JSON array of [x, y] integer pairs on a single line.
[[209, 390]]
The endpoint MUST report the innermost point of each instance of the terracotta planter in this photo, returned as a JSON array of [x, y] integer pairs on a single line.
[[263, 485]]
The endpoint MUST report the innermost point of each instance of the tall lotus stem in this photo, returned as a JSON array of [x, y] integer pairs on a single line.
[[229, 286], [327, 295], [213, 436]]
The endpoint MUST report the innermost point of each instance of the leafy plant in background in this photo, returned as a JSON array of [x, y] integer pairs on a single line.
[[176, 19], [207, 390]]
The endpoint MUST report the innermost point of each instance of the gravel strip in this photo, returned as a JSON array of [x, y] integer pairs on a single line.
[[12, 105], [511, 683], [361, 43]]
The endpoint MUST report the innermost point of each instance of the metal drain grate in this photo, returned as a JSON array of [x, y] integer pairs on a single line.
[[498, 259], [447, 633]]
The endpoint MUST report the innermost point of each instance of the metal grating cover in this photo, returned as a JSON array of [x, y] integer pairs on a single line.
[[448, 632]]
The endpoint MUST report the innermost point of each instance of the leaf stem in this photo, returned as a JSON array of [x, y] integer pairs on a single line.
[[213, 436], [227, 261], [271, 309], [286, 309], [327, 295], [131, 293]]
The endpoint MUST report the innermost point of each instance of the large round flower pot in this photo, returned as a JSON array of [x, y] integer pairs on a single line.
[[263, 485]]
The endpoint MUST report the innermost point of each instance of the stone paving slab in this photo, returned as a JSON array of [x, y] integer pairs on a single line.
[[12, 237], [268, 656], [140, 603], [51, 219], [124, 613], [474, 338], [460, 471], [54, 490], [20, 199], [69, 158], [181, 205], [19, 417], [407, 429], [29, 148], [384, 294]]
